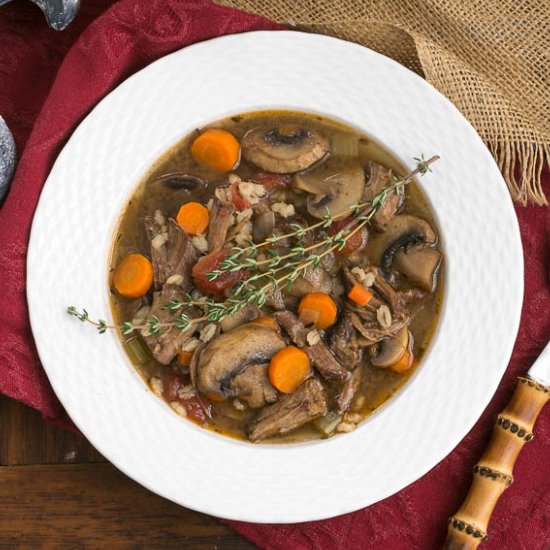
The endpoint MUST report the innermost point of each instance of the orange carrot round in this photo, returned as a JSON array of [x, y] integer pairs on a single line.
[[360, 295], [217, 149], [184, 358], [288, 368], [193, 218], [405, 363], [266, 322], [321, 304], [133, 276]]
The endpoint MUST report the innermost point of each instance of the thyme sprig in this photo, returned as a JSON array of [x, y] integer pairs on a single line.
[[279, 270], [362, 212], [100, 324], [153, 325], [231, 264]]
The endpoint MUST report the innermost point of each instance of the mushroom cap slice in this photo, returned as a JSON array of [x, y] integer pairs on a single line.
[[263, 226], [336, 185], [391, 349], [231, 352], [252, 385], [402, 233], [285, 149], [419, 266], [313, 280]]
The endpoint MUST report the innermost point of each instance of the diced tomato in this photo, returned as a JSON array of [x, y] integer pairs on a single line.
[[197, 409], [272, 181], [225, 211], [355, 243], [171, 382], [211, 262], [238, 200]]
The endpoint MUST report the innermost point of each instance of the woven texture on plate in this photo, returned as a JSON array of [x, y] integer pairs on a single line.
[[491, 58]]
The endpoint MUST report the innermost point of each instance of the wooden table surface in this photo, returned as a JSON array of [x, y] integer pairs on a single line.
[[57, 491]]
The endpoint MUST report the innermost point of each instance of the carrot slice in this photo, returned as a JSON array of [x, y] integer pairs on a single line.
[[360, 295], [214, 397], [184, 358], [288, 368], [217, 149], [321, 304], [193, 218], [133, 276], [309, 316], [266, 322], [405, 363]]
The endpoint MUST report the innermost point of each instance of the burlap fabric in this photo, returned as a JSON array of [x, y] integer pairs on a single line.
[[491, 58]]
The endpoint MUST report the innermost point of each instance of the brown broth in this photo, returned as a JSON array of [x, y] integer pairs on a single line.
[[378, 385]]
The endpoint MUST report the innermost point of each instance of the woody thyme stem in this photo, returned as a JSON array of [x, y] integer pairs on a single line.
[[245, 293]]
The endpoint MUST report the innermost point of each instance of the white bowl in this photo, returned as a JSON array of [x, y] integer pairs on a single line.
[[93, 178]]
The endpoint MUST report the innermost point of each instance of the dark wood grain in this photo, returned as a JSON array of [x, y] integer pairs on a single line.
[[25, 438], [57, 491], [95, 506]]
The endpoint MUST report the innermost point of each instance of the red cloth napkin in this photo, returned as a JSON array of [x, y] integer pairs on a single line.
[[50, 81]]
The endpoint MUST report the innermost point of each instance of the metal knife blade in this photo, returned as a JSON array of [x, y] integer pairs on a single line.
[[540, 369], [58, 13]]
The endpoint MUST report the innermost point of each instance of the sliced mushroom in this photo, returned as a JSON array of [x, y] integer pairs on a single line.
[[335, 185], [313, 280], [402, 233], [231, 352], [243, 315], [179, 180], [263, 226], [390, 350], [253, 386], [285, 149], [419, 266]]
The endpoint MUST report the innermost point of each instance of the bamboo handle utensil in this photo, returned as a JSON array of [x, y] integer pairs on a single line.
[[493, 473]]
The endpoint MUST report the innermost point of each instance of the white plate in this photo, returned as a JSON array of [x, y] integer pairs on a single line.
[[90, 184]]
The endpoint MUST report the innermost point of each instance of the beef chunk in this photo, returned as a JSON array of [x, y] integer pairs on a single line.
[[343, 341], [292, 326], [323, 360], [371, 333], [165, 345], [381, 177], [172, 252], [307, 403], [221, 219], [318, 353], [348, 391]]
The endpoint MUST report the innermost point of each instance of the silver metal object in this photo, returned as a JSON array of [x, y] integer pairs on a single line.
[[540, 369], [7, 159], [58, 13]]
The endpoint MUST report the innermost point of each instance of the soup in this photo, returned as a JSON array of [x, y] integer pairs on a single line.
[[277, 276]]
